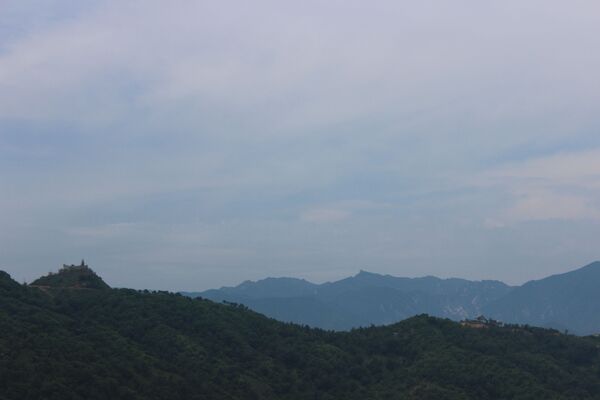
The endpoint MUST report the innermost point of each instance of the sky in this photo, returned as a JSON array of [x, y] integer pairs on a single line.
[[186, 145]]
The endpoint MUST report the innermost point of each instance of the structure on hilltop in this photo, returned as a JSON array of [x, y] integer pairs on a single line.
[[72, 277], [480, 322], [82, 266]]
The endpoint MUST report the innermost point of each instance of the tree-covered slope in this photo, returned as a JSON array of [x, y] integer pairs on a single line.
[[62, 343]]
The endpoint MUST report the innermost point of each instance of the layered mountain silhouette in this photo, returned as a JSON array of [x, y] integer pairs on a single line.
[[361, 300], [568, 301], [62, 340]]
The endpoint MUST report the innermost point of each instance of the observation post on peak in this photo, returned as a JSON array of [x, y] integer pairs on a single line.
[[72, 277], [82, 266]]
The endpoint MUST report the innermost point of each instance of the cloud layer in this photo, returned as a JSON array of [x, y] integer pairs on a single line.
[[197, 144]]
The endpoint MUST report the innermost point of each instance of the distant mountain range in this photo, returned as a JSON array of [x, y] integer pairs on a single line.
[[569, 301], [68, 335], [566, 301]]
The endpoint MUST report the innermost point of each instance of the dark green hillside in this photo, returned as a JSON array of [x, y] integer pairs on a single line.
[[61, 343]]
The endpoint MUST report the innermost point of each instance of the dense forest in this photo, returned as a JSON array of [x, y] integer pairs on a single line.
[[61, 342]]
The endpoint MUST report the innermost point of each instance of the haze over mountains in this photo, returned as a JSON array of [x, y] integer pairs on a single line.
[[567, 301]]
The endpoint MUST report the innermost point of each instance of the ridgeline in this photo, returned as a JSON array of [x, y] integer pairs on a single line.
[[568, 301], [59, 343]]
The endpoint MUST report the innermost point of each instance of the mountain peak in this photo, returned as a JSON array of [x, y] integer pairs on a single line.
[[74, 277], [364, 274]]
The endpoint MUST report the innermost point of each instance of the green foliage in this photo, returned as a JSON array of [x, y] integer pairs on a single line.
[[62, 343]]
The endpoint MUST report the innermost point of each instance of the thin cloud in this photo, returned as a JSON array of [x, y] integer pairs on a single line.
[[563, 186], [325, 215], [279, 136]]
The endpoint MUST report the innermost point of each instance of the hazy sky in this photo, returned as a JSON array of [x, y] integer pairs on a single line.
[[185, 145]]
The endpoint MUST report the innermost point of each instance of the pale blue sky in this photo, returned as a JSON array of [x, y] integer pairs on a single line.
[[185, 145]]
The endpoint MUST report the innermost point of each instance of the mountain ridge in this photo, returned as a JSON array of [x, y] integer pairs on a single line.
[[453, 298], [131, 344], [552, 301], [345, 304]]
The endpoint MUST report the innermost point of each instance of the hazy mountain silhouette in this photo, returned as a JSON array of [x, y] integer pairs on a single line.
[[567, 301], [364, 299]]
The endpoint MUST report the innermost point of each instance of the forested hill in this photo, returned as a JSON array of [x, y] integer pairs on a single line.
[[72, 276], [65, 343]]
